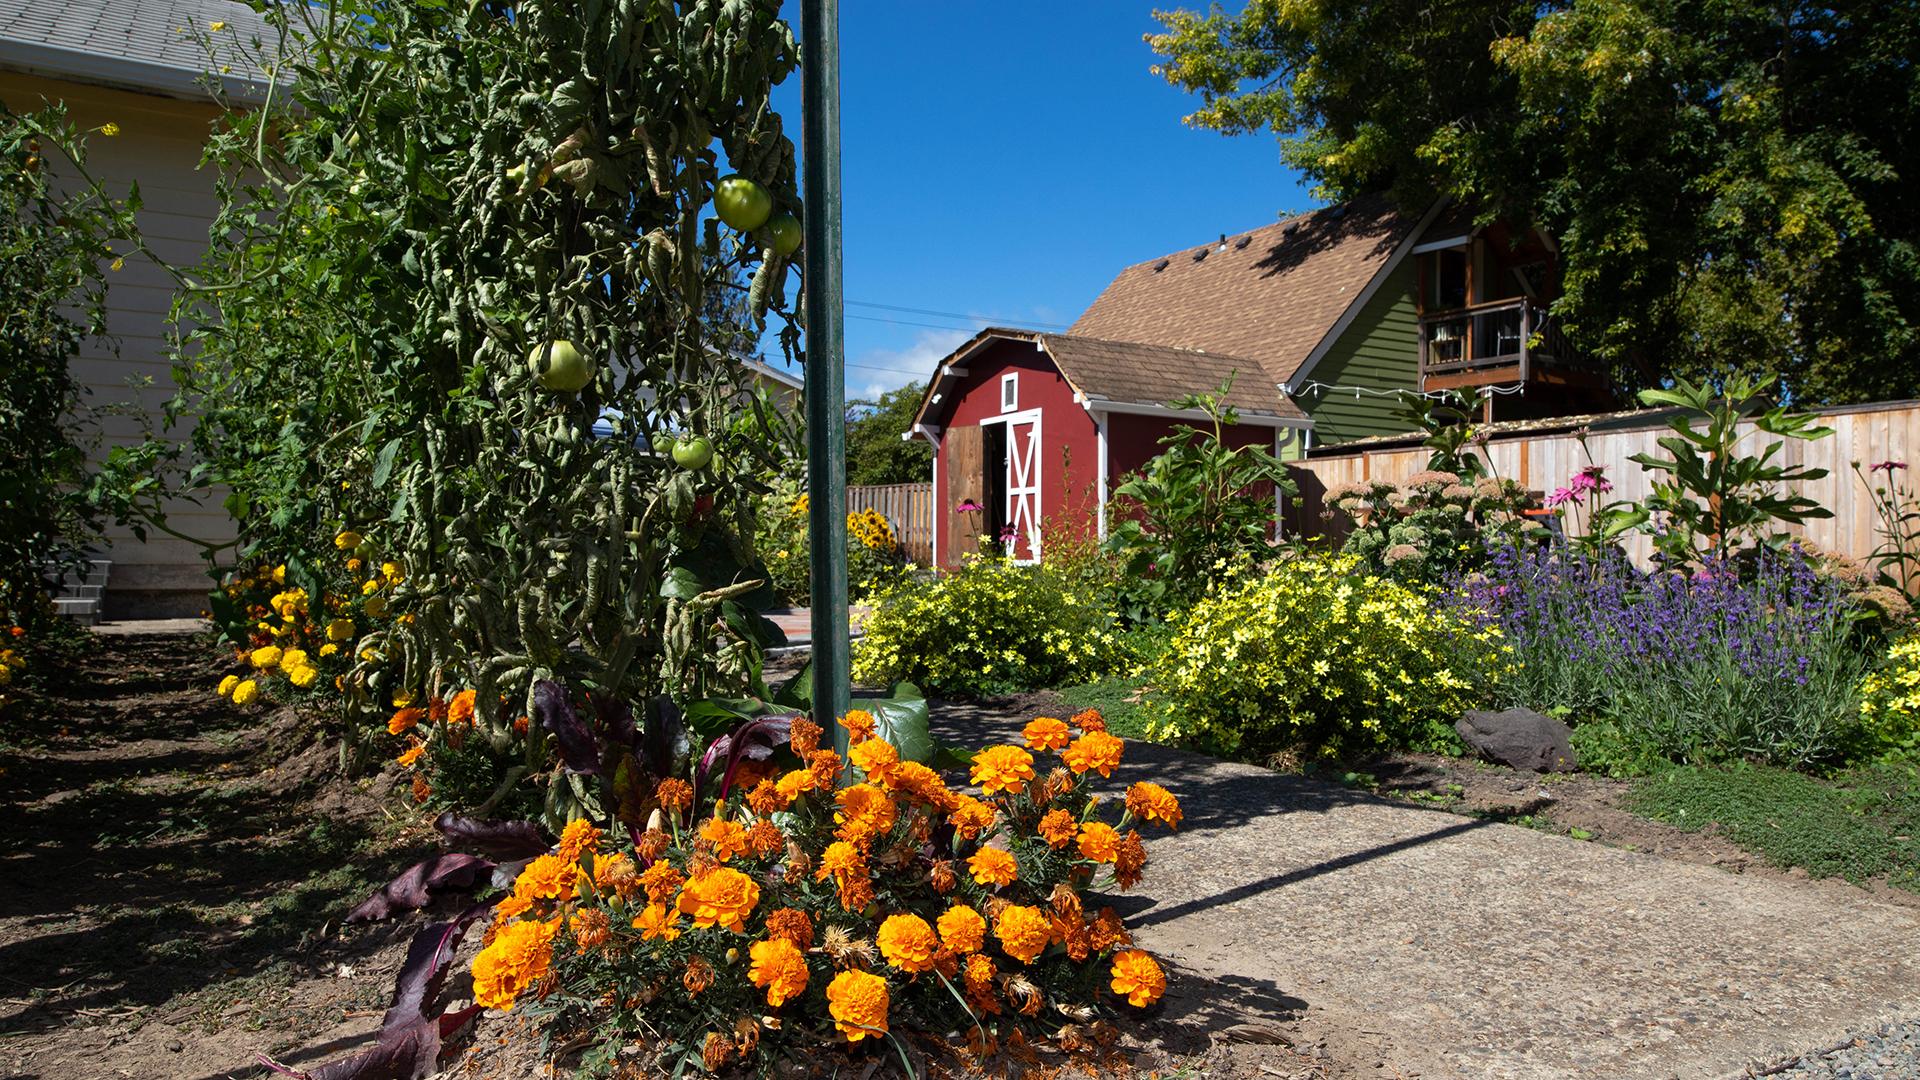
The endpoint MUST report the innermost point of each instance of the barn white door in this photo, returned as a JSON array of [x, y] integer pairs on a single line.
[[1023, 484]]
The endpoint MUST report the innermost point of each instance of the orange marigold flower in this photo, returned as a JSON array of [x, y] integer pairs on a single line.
[[1088, 720], [1130, 862], [795, 784], [1046, 733], [971, 817], [1072, 931], [1138, 978], [421, 789], [779, 968], [436, 709], [1023, 932], [840, 858], [661, 881], [804, 736], [1096, 751], [405, 720], [579, 837], [1151, 802], [859, 724], [962, 929], [765, 799], [791, 924], [519, 956], [875, 757], [979, 976], [1002, 768], [991, 866], [616, 873], [548, 877], [858, 1003], [674, 795], [825, 766], [698, 977], [1057, 828], [590, 928], [721, 896], [907, 942], [766, 839], [460, 711], [658, 922], [1107, 931], [856, 892], [864, 812], [916, 781], [652, 844], [726, 838], [1099, 841], [410, 755]]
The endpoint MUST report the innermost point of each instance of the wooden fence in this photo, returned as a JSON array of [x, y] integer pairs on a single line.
[[1542, 460], [907, 507]]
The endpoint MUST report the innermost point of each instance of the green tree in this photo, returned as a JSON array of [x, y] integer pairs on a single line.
[[1728, 183], [876, 452]]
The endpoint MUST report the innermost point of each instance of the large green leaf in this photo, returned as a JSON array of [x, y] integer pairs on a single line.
[[902, 719]]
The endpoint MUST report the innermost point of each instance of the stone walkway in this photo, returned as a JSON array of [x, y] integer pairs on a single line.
[[1428, 944]]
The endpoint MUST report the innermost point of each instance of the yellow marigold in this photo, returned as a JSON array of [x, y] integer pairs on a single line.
[[658, 922], [991, 866], [304, 676], [518, 957], [548, 877], [1023, 931], [461, 710], [410, 755], [779, 968], [340, 630], [1151, 802], [858, 1003], [404, 720], [377, 606], [346, 540], [721, 896], [579, 837], [266, 657], [875, 757], [674, 795], [246, 692], [962, 929], [727, 838], [227, 684], [1138, 978], [793, 925], [1046, 733], [1002, 768], [971, 817], [840, 859], [859, 724], [1099, 841], [1057, 828], [803, 735], [329, 649], [1130, 862], [796, 783], [864, 812], [1096, 751], [907, 942], [292, 660]]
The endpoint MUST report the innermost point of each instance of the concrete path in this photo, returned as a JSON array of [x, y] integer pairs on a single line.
[[1447, 947]]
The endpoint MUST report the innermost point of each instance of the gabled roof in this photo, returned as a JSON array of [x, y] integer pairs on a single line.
[[153, 46], [1129, 375], [1273, 295]]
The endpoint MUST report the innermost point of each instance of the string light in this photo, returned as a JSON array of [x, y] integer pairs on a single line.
[[1315, 385]]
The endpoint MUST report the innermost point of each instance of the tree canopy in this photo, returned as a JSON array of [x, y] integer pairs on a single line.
[[1728, 183], [876, 453]]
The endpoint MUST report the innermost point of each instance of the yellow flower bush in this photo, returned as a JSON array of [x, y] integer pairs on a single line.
[[1321, 657], [1890, 700]]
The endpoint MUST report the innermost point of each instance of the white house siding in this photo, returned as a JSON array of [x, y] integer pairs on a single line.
[[159, 145]]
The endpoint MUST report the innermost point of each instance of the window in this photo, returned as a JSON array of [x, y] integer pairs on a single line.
[[1010, 392], [1447, 279]]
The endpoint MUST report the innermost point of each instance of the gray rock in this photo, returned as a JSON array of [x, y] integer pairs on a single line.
[[1520, 738]]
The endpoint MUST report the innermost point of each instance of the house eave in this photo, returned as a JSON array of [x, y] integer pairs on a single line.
[[123, 73], [1099, 406]]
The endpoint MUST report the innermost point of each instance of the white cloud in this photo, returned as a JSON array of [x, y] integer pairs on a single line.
[[877, 371]]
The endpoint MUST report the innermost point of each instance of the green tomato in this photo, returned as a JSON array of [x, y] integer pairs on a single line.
[[742, 203], [784, 230], [692, 453], [567, 371]]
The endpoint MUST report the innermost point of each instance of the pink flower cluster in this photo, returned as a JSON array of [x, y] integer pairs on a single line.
[[1591, 479]]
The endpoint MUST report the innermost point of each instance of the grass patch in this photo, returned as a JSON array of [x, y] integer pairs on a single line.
[[1120, 701], [1863, 823]]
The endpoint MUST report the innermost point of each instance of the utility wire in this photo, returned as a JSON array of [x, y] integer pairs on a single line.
[[1003, 320]]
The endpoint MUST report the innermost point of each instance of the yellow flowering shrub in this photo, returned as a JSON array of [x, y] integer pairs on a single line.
[[875, 558], [1890, 700], [749, 920], [1319, 656], [988, 627]]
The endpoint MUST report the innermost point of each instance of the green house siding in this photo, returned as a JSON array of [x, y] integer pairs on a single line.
[[1380, 350]]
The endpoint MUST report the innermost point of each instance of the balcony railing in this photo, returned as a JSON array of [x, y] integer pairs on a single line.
[[1502, 341]]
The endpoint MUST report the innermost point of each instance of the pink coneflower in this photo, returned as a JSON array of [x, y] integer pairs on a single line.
[[1592, 478], [1886, 466], [968, 506]]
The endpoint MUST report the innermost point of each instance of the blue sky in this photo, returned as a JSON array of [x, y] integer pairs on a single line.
[[1004, 160]]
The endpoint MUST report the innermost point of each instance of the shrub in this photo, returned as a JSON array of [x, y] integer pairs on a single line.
[[1322, 657], [988, 627], [1890, 701], [1434, 525], [1733, 661], [875, 559]]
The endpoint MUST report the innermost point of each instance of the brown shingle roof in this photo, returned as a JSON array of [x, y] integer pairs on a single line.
[[1136, 374], [1270, 295]]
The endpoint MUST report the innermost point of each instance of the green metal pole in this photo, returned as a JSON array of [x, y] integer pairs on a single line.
[[826, 360]]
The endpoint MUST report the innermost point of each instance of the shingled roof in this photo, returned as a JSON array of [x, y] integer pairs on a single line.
[[1272, 295], [153, 46]]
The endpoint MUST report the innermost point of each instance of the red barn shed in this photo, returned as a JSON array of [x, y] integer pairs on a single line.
[[1036, 429]]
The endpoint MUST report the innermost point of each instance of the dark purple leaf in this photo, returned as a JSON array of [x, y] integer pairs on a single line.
[[410, 1051], [505, 841], [755, 740], [665, 739], [578, 748], [413, 889], [616, 720], [425, 972]]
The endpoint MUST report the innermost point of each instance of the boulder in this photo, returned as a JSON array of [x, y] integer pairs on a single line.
[[1520, 738]]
